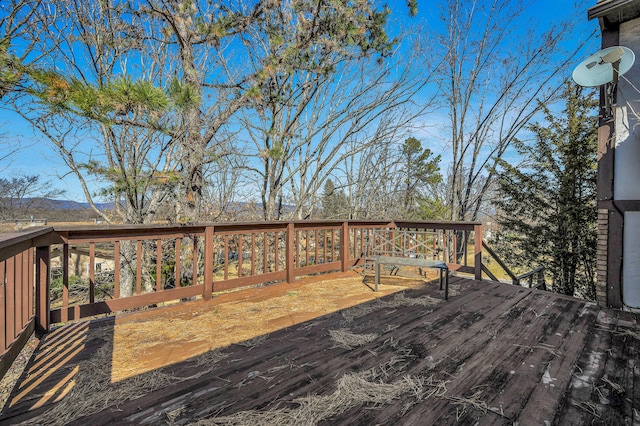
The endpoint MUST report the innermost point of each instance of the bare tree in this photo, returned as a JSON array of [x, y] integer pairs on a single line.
[[172, 74], [20, 195], [492, 87], [391, 180], [107, 127], [227, 186], [279, 38], [306, 124], [369, 182]]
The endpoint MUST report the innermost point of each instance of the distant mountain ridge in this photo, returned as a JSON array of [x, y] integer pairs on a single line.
[[64, 204]]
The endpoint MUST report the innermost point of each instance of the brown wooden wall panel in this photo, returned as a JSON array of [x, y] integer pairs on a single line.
[[10, 300], [32, 273], [4, 342], [19, 293]]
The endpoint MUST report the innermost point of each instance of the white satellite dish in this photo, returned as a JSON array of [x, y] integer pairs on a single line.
[[604, 66]]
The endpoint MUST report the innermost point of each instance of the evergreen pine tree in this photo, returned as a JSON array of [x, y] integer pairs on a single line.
[[335, 204], [546, 205], [421, 172]]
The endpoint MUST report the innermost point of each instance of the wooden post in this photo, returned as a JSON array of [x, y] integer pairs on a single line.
[[208, 263], [477, 265], [42, 289], [291, 277], [344, 246]]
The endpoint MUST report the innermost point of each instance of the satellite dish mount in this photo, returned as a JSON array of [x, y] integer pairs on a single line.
[[604, 68]]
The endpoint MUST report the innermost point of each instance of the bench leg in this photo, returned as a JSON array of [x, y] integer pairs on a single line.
[[446, 284]]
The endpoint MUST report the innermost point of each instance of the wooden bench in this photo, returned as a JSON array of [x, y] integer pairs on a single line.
[[416, 262]]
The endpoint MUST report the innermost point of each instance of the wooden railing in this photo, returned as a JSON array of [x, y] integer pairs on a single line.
[[60, 274], [535, 277]]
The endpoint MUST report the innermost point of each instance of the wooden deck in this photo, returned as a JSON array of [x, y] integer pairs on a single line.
[[493, 354]]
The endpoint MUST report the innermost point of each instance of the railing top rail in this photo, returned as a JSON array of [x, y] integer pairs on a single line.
[[11, 238], [530, 273], [15, 242], [198, 227], [437, 224], [115, 232]]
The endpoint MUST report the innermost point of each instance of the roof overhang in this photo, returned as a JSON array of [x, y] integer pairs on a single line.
[[614, 12]]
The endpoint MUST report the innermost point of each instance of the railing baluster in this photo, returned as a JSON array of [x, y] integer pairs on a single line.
[[435, 245], [315, 243], [344, 246], [208, 263], [139, 267], [226, 257], [306, 248], [276, 257], [178, 264], [195, 261], [240, 260], [324, 246], [464, 248], [289, 250], [296, 257], [333, 246], [265, 252], [253, 253], [92, 272], [455, 247], [445, 245], [158, 265], [116, 271]]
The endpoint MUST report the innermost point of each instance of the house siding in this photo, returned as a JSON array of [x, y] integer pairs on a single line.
[[618, 172]]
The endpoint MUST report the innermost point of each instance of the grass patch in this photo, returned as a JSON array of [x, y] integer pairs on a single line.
[[345, 339], [352, 390], [398, 301]]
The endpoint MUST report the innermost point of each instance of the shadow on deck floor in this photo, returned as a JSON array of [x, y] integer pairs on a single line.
[[493, 354]]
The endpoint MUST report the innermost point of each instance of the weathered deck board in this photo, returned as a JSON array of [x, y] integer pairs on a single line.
[[502, 354], [604, 390]]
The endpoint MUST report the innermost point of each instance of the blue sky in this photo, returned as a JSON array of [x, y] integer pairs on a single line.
[[37, 156]]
